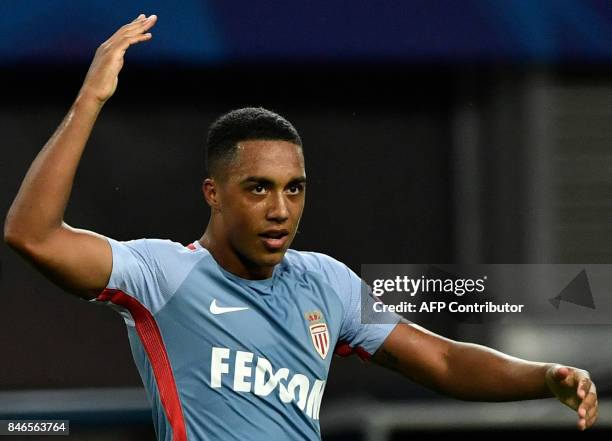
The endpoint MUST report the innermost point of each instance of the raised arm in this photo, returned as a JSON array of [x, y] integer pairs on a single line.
[[477, 373], [79, 261]]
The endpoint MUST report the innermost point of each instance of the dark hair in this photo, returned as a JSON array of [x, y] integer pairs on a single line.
[[248, 123]]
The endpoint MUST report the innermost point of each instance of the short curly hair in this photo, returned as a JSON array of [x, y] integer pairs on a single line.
[[248, 123]]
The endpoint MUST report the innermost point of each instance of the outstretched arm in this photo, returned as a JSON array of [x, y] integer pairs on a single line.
[[78, 260], [477, 373]]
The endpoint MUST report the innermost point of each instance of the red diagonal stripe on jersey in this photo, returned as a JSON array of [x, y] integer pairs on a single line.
[[158, 357]]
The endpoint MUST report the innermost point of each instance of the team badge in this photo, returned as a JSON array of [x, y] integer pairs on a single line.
[[318, 332]]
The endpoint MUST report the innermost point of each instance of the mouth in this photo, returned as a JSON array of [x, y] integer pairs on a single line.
[[274, 240]]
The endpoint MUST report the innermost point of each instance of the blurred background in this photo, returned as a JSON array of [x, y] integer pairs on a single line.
[[474, 131]]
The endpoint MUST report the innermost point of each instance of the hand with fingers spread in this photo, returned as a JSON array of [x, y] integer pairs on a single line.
[[574, 388], [102, 77]]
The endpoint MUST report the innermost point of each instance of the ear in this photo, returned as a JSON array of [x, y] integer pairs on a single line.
[[209, 189]]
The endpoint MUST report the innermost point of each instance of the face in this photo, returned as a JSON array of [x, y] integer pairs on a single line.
[[258, 204]]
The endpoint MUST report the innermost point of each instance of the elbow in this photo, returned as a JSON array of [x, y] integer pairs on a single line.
[[19, 231], [12, 235], [12, 239], [446, 383], [19, 242], [9, 235]]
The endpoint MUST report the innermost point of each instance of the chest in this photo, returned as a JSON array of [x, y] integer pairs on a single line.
[[292, 324]]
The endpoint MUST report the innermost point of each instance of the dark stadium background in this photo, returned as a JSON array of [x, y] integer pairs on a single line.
[[434, 131]]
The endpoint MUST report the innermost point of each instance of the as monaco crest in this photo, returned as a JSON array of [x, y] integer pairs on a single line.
[[318, 332]]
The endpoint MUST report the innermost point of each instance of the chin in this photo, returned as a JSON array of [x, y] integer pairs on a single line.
[[271, 259]]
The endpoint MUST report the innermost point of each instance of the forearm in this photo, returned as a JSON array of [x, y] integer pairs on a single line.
[[479, 373], [40, 204]]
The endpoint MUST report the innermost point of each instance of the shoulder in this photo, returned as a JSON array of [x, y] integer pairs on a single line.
[[150, 244], [151, 270], [152, 249], [311, 260], [334, 271]]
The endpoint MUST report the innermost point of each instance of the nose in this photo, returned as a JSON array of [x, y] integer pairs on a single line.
[[278, 210]]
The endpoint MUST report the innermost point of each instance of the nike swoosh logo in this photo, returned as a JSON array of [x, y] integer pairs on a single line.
[[216, 309]]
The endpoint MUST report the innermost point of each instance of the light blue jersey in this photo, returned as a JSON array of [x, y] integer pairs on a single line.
[[226, 358]]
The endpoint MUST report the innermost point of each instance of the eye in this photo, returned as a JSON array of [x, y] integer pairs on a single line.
[[258, 189], [295, 189]]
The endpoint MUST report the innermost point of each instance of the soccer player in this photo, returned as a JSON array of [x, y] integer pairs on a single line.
[[233, 334]]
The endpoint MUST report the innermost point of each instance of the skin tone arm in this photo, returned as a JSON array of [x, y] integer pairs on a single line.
[[79, 261], [477, 373]]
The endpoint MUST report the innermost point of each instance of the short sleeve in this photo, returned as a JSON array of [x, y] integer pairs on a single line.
[[361, 332], [148, 270], [362, 327]]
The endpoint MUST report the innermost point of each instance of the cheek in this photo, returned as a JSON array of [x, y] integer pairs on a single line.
[[298, 209], [243, 217]]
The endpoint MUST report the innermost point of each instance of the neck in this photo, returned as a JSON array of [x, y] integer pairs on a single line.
[[229, 260]]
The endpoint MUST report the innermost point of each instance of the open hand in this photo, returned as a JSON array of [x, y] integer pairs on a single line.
[[102, 77], [574, 388]]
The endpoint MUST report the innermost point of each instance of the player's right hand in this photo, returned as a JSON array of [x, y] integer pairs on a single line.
[[102, 76]]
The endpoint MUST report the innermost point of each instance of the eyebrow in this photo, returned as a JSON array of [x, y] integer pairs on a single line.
[[266, 181]]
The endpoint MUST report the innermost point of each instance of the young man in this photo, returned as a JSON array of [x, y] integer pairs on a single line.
[[233, 334]]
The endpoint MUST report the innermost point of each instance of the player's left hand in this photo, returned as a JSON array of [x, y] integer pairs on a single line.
[[574, 388]]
